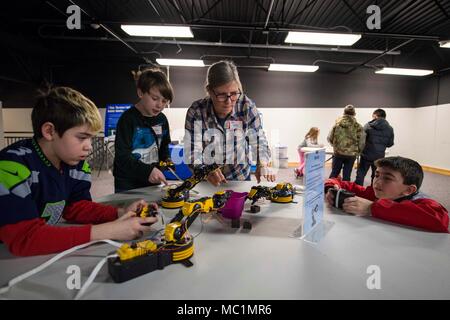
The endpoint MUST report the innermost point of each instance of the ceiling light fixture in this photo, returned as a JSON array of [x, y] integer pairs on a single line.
[[157, 31], [405, 72], [181, 62], [444, 44], [292, 67], [321, 38]]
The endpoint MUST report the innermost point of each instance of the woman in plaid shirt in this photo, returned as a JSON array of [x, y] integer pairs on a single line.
[[222, 127]]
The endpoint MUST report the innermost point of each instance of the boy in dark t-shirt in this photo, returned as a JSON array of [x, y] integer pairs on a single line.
[[45, 178], [143, 134]]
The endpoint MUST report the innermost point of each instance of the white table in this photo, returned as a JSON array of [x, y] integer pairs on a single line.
[[264, 263]]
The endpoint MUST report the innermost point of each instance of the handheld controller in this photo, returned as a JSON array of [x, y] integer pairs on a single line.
[[339, 196]]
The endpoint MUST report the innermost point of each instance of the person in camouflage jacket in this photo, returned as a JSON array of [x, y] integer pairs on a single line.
[[347, 138]]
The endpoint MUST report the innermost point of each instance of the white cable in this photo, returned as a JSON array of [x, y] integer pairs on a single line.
[[164, 219], [92, 276], [28, 274], [299, 189], [174, 173]]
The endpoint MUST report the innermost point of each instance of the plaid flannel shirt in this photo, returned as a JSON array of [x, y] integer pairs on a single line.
[[231, 146]]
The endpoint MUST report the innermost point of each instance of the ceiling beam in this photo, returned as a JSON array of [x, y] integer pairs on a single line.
[[392, 14], [107, 29], [269, 13], [255, 28], [156, 10], [232, 45], [258, 4], [442, 9], [311, 2], [363, 24], [208, 10], [361, 21], [175, 4], [9, 79], [379, 56]]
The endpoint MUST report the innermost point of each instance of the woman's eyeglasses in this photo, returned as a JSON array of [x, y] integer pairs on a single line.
[[233, 96]]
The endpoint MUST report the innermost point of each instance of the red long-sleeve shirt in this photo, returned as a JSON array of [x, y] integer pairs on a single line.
[[419, 211], [35, 236], [34, 195]]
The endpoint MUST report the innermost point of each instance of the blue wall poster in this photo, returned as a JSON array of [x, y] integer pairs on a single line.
[[112, 115], [313, 200]]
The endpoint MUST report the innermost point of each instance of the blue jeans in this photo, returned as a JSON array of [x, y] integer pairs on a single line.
[[342, 162], [363, 167]]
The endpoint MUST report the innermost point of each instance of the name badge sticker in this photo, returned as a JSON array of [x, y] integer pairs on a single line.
[[157, 129], [235, 125]]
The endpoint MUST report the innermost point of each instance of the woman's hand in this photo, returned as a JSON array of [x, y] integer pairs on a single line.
[[216, 178], [266, 172]]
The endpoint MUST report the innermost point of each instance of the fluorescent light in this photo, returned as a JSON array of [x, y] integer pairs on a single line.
[[292, 67], [181, 62], [329, 39], [157, 31], [444, 44], [405, 72]]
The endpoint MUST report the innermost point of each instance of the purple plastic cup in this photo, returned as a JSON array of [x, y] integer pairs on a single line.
[[234, 206]]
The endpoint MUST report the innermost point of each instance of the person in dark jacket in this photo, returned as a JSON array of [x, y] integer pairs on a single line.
[[379, 136]]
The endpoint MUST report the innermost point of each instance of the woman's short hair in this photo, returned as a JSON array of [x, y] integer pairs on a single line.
[[221, 73]]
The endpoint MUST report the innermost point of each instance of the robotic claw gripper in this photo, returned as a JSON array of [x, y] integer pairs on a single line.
[[282, 193], [176, 197], [175, 246]]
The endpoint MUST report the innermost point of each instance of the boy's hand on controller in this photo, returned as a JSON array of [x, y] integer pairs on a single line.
[[357, 206]]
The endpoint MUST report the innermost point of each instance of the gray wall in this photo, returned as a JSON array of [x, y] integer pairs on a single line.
[[16, 95], [434, 90], [113, 83], [293, 90], [444, 89]]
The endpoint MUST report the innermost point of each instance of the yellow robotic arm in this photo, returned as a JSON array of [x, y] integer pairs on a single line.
[[145, 256], [175, 231], [282, 193], [176, 197]]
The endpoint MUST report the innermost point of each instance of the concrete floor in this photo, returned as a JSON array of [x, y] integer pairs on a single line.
[[435, 185]]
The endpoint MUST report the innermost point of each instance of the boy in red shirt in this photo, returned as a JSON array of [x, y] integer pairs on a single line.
[[394, 196], [47, 177]]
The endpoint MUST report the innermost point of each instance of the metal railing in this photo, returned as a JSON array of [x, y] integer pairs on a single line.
[[101, 157], [14, 136]]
